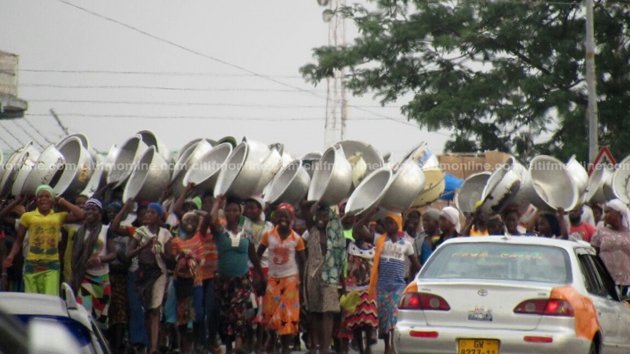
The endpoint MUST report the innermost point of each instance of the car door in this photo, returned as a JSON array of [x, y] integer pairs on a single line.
[[605, 307], [622, 313]]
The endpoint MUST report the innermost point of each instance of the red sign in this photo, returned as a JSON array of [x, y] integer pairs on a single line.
[[604, 157]]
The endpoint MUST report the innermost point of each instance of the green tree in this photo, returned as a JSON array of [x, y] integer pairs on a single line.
[[499, 73]]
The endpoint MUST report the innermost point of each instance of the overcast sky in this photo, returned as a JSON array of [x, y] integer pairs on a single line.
[[206, 75]]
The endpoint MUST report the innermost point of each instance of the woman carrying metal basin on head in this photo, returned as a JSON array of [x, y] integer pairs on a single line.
[[387, 278], [326, 247], [43, 262], [233, 282]]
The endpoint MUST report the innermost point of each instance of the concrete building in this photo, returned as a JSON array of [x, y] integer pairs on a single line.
[[11, 106]]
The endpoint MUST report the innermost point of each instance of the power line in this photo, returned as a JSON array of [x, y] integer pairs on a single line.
[[162, 103], [28, 133], [7, 144], [165, 88], [37, 131], [149, 73], [20, 143], [238, 67], [202, 117], [142, 116]]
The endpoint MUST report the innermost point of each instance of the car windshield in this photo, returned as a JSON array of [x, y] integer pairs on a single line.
[[78, 330], [499, 261]]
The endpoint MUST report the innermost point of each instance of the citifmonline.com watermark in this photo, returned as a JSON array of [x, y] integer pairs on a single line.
[[210, 166]]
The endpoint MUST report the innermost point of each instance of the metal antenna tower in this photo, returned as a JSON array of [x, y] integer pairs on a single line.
[[336, 102]]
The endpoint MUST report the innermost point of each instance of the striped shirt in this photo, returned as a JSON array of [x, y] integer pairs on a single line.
[[391, 268], [192, 250]]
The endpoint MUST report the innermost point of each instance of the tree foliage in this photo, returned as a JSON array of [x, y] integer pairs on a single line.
[[498, 73]]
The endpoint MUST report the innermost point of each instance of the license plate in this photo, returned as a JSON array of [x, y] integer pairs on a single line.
[[477, 346]]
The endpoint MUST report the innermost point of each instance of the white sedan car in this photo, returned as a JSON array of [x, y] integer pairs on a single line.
[[518, 295]]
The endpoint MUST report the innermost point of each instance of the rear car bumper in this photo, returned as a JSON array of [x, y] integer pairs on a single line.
[[510, 342]]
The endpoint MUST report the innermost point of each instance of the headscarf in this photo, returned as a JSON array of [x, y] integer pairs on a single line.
[[432, 214], [115, 205], [190, 213], [158, 208], [397, 217], [192, 203], [452, 214], [288, 207], [46, 188], [622, 208], [198, 202], [94, 202]]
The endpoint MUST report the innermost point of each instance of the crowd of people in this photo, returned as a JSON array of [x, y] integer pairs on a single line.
[[211, 274]]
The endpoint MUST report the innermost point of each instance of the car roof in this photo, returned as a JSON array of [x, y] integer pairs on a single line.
[[568, 245], [33, 304]]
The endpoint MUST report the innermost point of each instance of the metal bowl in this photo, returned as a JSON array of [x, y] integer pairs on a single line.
[[521, 199], [190, 157], [128, 154], [550, 185], [621, 181], [206, 172], [78, 168], [421, 155], [369, 193], [24, 165], [11, 169], [269, 168], [309, 161], [433, 187], [578, 174], [186, 147], [599, 189], [47, 170], [500, 189], [149, 178], [228, 139], [372, 158], [85, 142], [103, 166], [241, 174], [407, 183], [149, 138], [290, 185], [471, 191], [332, 179]]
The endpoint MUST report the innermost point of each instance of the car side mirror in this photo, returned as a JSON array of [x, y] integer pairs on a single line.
[[49, 337]]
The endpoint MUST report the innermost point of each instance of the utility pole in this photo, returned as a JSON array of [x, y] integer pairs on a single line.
[[336, 101], [65, 130], [591, 83]]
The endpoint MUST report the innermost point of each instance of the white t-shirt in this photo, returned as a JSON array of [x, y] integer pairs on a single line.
[[398, 251], [282, 254]]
